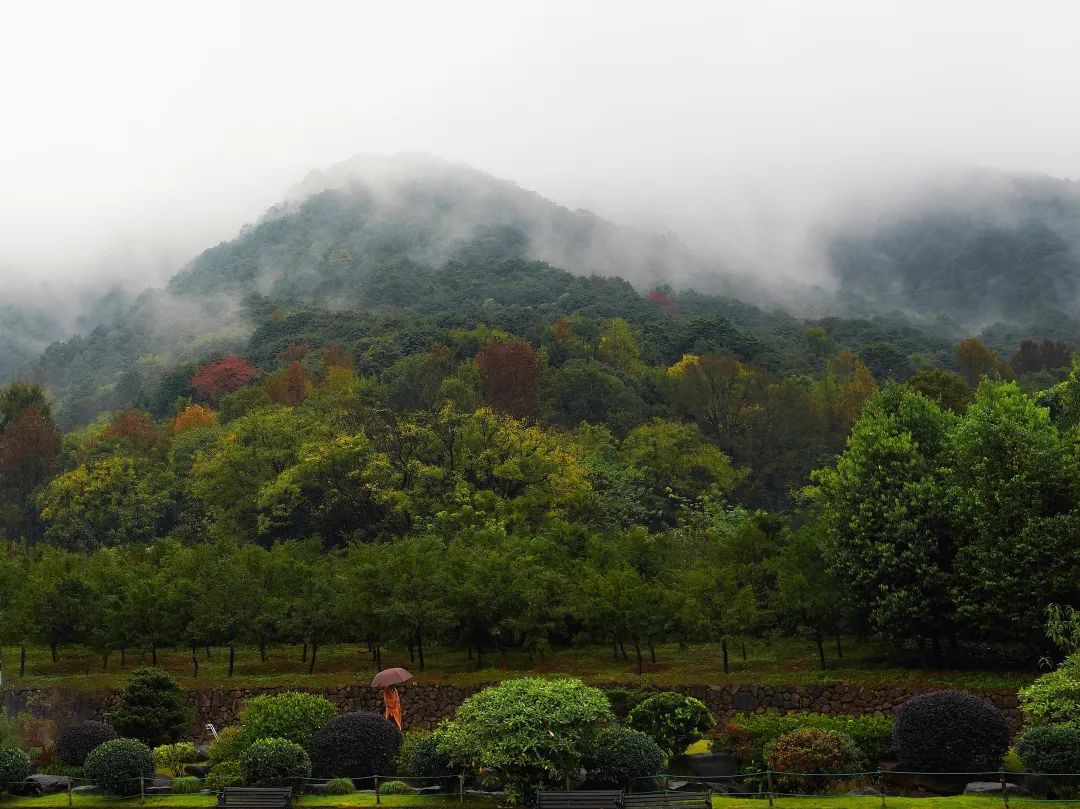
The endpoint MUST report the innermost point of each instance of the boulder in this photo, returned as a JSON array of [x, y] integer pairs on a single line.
[[712, 765], [989, 787], [48, 783]]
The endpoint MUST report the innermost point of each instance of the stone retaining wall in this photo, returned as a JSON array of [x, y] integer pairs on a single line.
[[425, 706]]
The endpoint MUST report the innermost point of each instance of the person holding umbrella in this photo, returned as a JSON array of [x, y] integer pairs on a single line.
[[387, 679]]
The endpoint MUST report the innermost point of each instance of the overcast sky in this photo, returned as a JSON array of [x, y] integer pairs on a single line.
[[141, 132]]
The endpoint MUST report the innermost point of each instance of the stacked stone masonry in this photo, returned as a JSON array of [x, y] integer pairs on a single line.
[[427, 705]]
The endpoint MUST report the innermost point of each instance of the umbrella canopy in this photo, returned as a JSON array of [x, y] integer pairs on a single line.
[[388, 677]]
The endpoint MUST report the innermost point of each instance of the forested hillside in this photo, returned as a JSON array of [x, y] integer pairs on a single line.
[[371, 385]]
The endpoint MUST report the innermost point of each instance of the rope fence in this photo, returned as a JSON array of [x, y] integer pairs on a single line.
[[765, 785]]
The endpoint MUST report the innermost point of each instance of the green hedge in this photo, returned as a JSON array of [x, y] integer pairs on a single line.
[[747, 737]]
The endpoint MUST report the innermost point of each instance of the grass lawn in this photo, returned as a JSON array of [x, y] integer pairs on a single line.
[[391, 801], [788, 661]]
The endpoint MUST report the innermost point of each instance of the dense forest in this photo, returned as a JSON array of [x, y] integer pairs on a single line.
[[364, 420]]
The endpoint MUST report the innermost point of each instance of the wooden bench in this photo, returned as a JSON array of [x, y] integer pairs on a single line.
[[584, 799], [256, 798], [668, 800]]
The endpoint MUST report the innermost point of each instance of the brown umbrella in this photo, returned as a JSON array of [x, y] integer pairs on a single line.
[[389, 677]]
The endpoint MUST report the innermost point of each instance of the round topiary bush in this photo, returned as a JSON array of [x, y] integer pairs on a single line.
[[293, 715], [117, 765], [1050, 748], [396, 788], [224, 774], [339, 786], [420, 756], [14, 768], [674, 721], [812, 750], [76, 743], [355, 745], [275, 763], [532, 732], [227, 746], [152, 708], [622, 755], [949, 731]]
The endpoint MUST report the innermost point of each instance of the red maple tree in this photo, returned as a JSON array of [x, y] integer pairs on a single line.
[[214, 380]]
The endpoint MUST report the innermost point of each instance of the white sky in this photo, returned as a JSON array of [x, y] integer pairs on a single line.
[[138, 133]]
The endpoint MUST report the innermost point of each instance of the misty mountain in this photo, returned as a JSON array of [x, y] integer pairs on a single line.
[[975, 250]]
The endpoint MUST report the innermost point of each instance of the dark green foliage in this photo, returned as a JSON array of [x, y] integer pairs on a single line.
[[949, 731], [812, 750], [396, 788], [152, 708], [1050, 748], [624, 700], [420, 756], [275, 763], [293, 715], [118, 765], [355, 745], [620, 756], [674, 721], [14, 768], [76, 743], [339, 786], [747, 737]]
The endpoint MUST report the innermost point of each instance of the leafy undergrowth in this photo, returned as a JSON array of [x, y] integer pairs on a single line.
[[779, 662]]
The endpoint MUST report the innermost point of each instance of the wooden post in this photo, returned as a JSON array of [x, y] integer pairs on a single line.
[[1004, 788], [769, 781], [461, 788], [142, 791], [378, 796], [69, 790], [567, 783], [881, 785]]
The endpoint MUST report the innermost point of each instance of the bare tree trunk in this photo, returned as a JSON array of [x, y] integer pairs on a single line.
[[262, 649], [232, 658], [652, 652], [52, 648], [105, 661], [420, 648], [123, 654], [314, 654], [723, 650], [194, 661], [153, 652], [303, 657], [22, 660], [743, 645], [839, 651], [820, 647], [637, 651]]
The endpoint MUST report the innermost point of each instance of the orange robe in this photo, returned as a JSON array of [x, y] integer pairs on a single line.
[[393, 704]]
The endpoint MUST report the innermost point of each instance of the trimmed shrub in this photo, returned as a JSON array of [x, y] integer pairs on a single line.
[[812, 750], [747, 737], [949, 731], [152, 708], [674, 721], [228, 745], [186, 785], [1054, 697], [420, 756], [174, 757], [224, 774], [117, 766], [14, 768], [396, 788], [275, 763], [355, 745], [293, 715], [622, 755], [339, 786], [533, 732], [76, 743], [1050, 748]]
